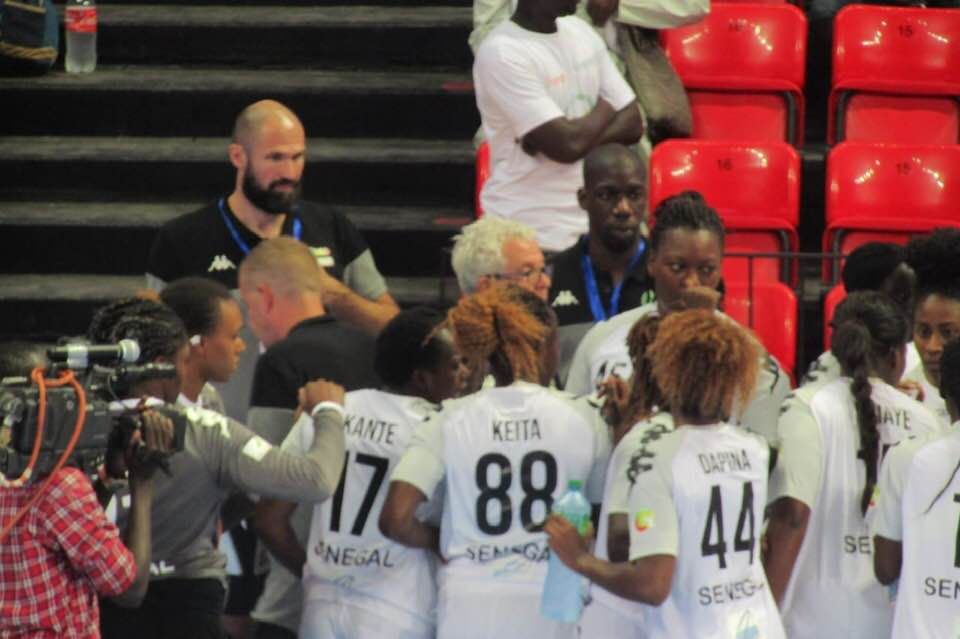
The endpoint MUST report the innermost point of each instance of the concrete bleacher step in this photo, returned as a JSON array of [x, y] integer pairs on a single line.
[[359, 171], [151, 101], [29, 300], [312, 36]]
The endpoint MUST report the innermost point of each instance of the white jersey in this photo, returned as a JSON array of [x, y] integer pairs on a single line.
[[504, 455], [615, 501], [348, 559], [918, 505], [931, 394], [603, 352], [826, 368], [698, 495], [832, 590]]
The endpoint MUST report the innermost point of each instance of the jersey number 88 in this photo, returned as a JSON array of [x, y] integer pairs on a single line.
[[498, 491]]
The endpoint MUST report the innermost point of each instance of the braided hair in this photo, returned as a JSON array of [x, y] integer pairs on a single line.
[[197, 301], [506, 326], [687, 210], [704, 364], [935, 258], [867, 327], [155, 327], [645, 395]]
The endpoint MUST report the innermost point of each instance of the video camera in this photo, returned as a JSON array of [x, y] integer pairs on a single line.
[[102, 372]]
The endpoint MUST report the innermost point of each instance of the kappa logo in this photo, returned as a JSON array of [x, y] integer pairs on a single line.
[[221, 263], [566, 298]]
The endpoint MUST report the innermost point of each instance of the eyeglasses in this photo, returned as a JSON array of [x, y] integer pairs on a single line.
[[528, 274]]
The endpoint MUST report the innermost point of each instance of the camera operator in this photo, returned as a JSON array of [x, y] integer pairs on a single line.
[[220, 456], [64, 551]]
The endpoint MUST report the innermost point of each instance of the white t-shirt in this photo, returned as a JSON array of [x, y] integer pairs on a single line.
[[348, 559], [832, 590], [603, 352], [615, 500], [524, 79], [918, 506], [826, 368], [503, 455], [699, 496], [931, 394]]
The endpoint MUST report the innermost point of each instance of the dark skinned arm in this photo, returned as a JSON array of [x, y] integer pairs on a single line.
[[785, 532], [618, 537], [568, 140], [625, 128], [887, 559], [271, 521], [398, 519], [647, 580]]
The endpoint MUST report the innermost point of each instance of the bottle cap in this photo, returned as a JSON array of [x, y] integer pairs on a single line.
[[574, 484]]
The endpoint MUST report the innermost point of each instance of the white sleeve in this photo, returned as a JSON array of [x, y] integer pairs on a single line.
[[422, 463], [507, 79], [800, 460], [888, 520], [654, 526], [762, 413], [579, 380], [601, 458]]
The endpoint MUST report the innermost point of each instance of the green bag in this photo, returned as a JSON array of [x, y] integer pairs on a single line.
[[29, 36]]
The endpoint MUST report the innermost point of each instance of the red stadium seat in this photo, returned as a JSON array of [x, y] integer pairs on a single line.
[[896, 75], [770, 309], [887, 192], [830, 303], [483, 172], [755, 187], [743, 67]]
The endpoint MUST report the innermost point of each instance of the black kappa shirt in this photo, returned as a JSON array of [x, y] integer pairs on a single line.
[[314, 348], [201, 244], [568, 292]]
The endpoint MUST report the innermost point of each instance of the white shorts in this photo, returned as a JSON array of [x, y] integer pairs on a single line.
[[602, 621], [337, 620], [475, 609]]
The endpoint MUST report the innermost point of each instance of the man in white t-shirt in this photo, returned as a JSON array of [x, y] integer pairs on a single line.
[[547, 93]]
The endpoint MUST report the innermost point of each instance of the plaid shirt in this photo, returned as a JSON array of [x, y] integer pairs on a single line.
[[57, 559]]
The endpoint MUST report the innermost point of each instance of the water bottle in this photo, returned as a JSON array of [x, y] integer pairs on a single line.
[[562, 598], [81, 31]]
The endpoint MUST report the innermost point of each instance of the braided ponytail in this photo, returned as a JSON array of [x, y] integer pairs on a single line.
[[867, 327], [505, 326]]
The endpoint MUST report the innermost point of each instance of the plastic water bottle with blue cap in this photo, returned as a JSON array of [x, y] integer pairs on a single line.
[[562, 598]]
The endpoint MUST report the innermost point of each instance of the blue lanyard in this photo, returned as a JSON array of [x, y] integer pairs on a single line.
[[297, 228], [590, 280]]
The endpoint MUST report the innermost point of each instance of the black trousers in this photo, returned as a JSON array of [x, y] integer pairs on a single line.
[[172, 609]]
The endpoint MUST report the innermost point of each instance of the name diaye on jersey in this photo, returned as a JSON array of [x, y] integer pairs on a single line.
[[515, 430], [724, 461], [895, 416], [349, 556], [376, 430]]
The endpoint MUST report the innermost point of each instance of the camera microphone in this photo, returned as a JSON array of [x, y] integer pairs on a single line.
[[81, 356]]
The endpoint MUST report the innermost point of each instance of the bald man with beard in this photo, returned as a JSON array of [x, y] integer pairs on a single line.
[[268, 151]]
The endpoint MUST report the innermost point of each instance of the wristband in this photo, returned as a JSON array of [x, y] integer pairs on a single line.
[[327, 406]]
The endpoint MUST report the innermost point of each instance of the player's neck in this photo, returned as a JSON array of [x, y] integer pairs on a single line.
[[607, 261], [679, 419], [266, 225], [191, 387]]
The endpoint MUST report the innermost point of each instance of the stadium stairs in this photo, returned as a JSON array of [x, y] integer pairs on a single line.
[[91, 165]]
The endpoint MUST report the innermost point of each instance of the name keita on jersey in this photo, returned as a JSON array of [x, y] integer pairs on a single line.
[[515, 430]]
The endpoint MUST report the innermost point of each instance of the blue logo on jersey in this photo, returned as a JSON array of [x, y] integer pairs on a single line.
[[747, 629]]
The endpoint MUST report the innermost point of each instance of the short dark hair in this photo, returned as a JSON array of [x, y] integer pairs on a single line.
[[407, 343], [197, 301], [935, 258], [156, 328], [869, 265], [686, 210]]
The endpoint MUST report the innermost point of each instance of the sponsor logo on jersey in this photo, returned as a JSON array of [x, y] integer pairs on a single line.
[[874, 496], [221, 263], [566, 298], [323, 255], [747, 628], [644, 520], [161, 568]]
